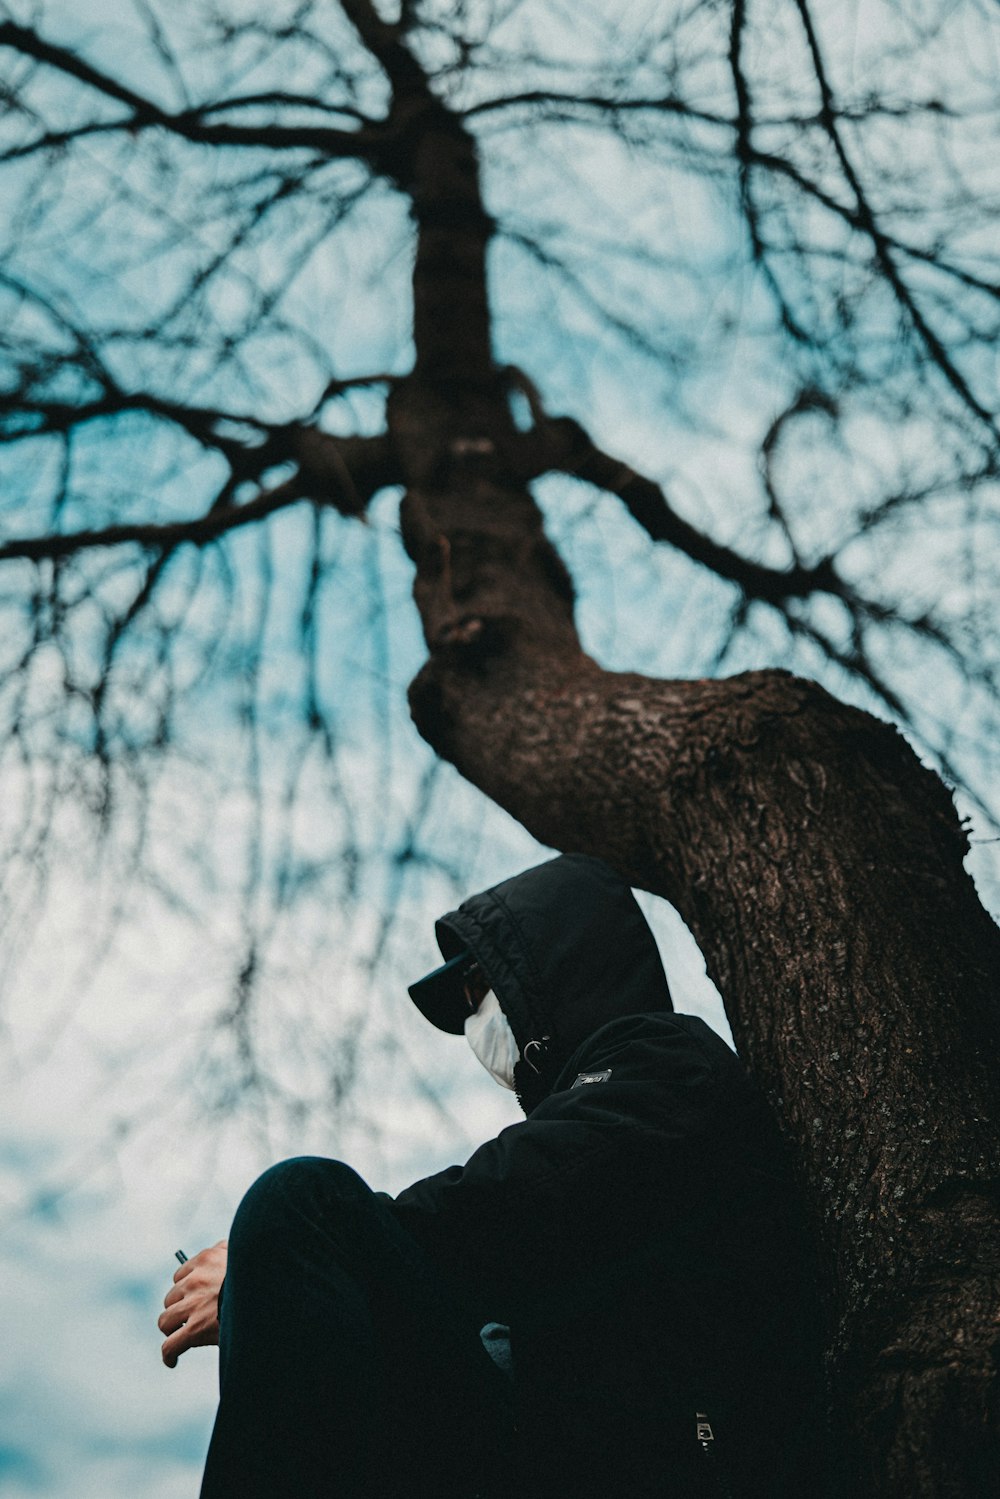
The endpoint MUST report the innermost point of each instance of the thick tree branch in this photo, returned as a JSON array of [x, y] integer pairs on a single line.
[[23, 417], [191, 124], [343, 473], [383, 41], [198, 532], [284, 98], [644, 499], [432, 157]]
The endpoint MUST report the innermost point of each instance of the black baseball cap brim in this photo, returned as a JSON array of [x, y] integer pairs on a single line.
[[440, 996]]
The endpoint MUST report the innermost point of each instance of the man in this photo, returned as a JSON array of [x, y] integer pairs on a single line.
[[637, 1237]]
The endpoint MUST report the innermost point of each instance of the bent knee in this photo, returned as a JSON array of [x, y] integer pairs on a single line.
[[291, 1197]]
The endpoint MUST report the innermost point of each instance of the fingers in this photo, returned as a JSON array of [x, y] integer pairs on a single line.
[[201, 1331], [202, 1273], [213, 1256], [186, 1302], [172, 1348], [171, 1320], [198, 1288]]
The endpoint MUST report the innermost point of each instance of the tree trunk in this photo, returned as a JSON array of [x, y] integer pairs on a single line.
[[819, 866]]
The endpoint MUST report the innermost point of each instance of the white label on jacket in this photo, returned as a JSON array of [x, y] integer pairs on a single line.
[[591, 1077]]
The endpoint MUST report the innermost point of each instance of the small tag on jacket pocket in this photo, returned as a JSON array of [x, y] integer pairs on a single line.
[[591, 1077]]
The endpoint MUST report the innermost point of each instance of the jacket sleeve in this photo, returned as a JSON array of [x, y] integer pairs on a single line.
[[589, 1167]]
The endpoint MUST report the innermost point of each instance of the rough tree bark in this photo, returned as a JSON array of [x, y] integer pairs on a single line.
[[818, 864]]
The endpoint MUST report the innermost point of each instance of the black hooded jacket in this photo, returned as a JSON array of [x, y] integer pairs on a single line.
[[639, 1231]]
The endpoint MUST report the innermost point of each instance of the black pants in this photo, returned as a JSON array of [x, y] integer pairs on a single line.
[[350, 1367]]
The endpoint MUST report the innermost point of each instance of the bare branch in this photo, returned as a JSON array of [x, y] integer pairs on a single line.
[[286, 99], [746, 159], [383, 41], [343, 473], [191, 124], [570, 106], [867, 220], [649, 506]]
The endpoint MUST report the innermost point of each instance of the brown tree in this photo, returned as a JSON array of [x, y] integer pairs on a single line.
[[817, 861]]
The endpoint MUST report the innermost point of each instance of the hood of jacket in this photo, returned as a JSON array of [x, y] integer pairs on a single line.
[[566, 950]]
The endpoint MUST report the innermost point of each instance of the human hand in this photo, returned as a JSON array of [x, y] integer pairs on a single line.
[[191, 1319]]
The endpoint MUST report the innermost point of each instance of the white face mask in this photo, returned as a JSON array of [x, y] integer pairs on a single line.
[[489, 1034]]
